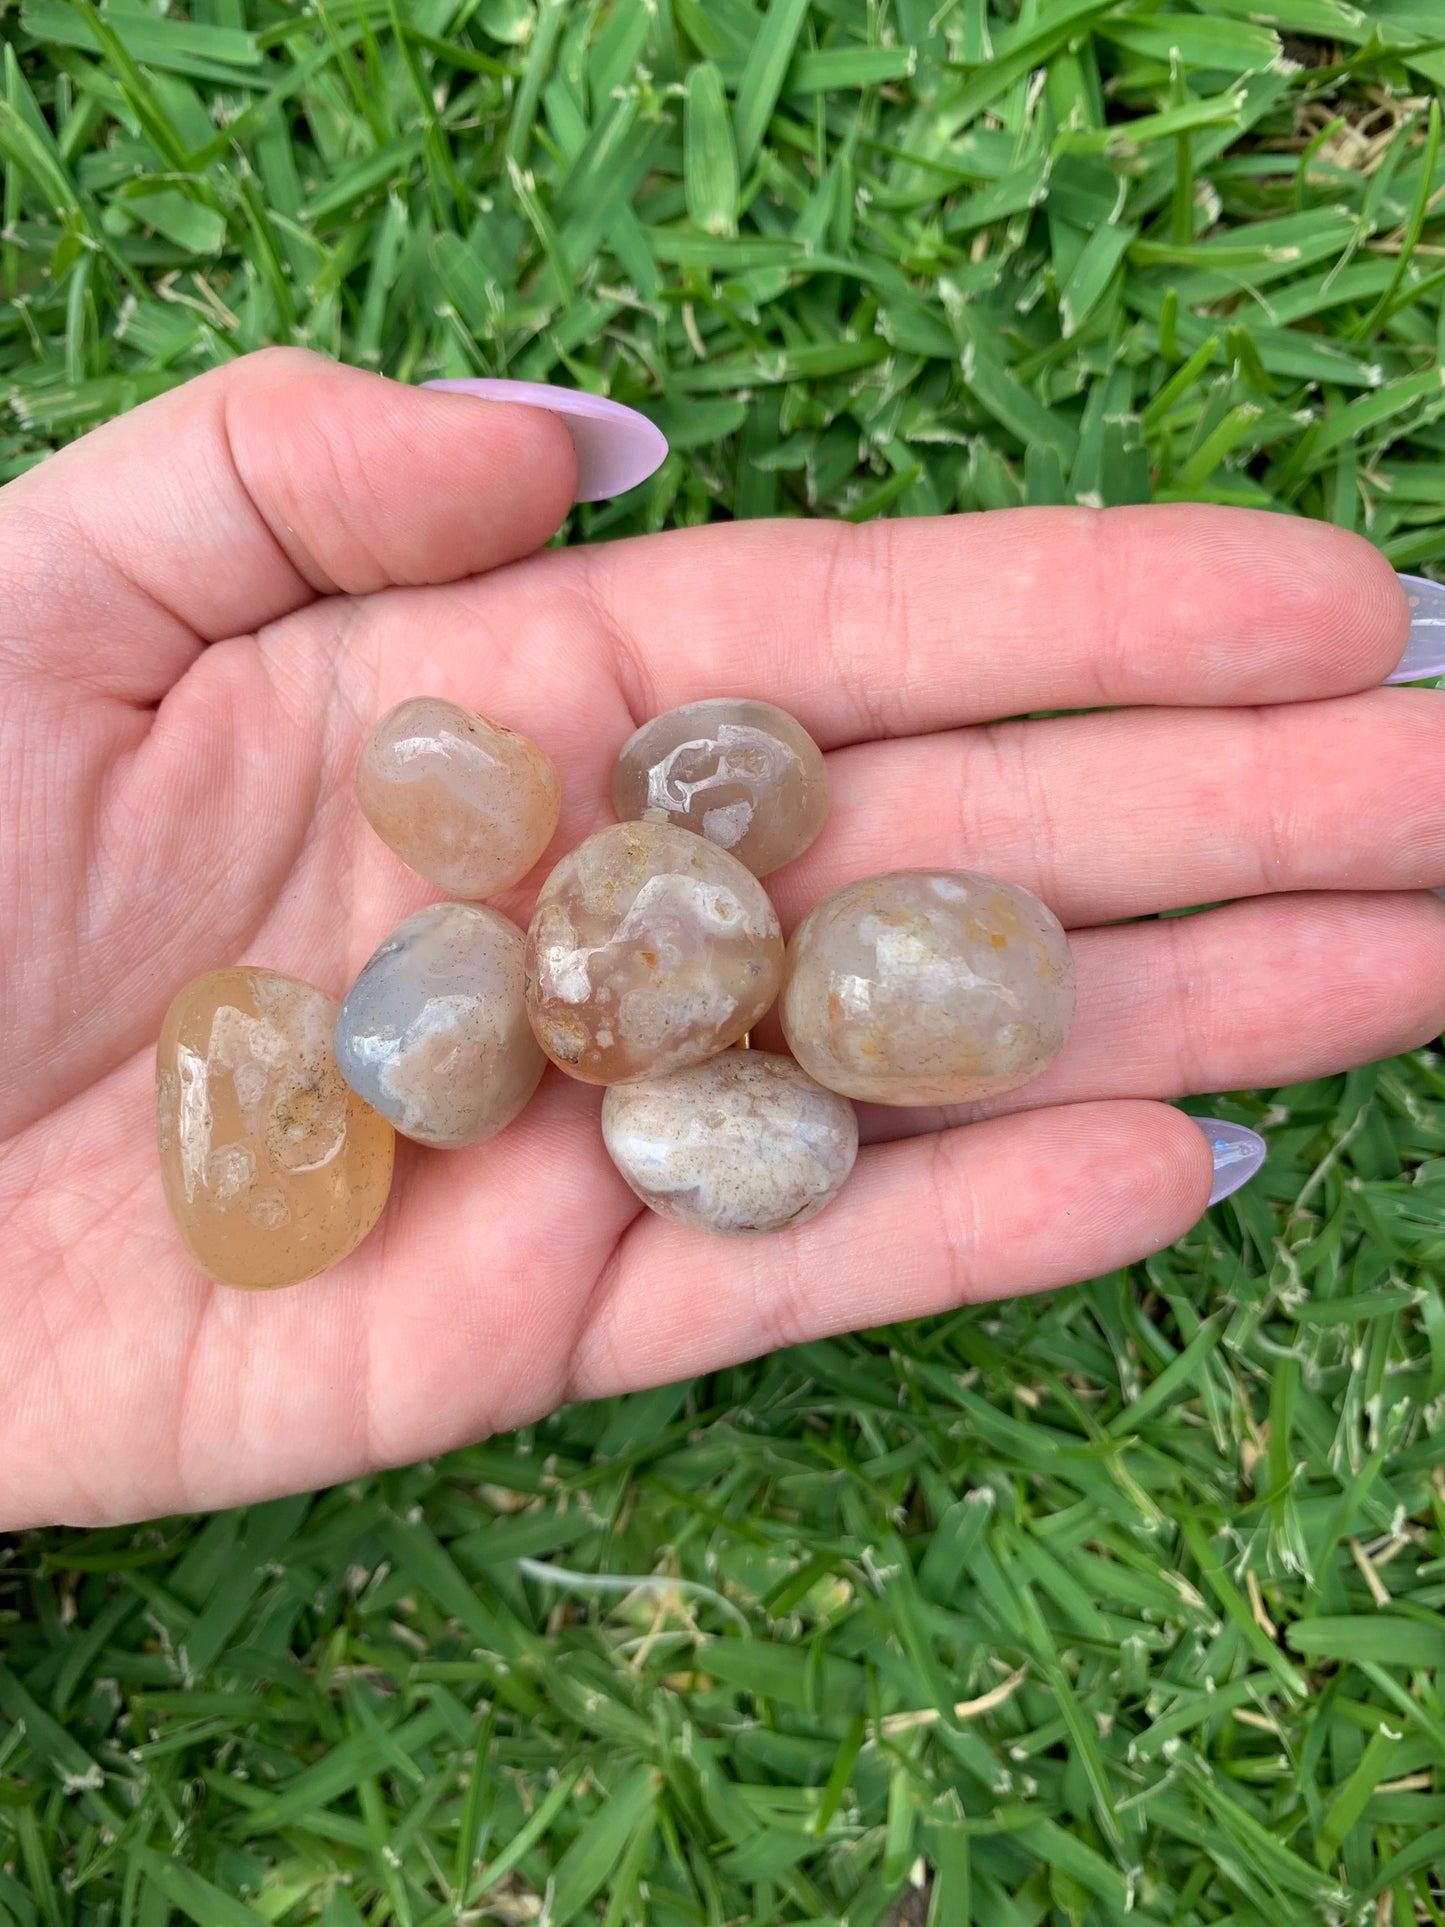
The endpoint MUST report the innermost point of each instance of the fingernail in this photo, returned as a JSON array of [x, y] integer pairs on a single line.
[[1425, 651], [616, 447], [1238, 1154]]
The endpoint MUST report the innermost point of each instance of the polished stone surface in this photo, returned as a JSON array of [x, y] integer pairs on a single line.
[[745, 775], [434, 1032], [927, 987], [650, 949], [465, 803], [272, 1168], [742, 1144]]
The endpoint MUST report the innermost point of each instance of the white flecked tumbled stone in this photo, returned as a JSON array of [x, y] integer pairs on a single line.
[[649, 950], [927, 987], [742, 1144]]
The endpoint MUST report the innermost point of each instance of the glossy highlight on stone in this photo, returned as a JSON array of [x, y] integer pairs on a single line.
[[745, 775], [465, 803], [434, 1032], [273, 1169], [927, 987], [743, 1144], [650, 949]]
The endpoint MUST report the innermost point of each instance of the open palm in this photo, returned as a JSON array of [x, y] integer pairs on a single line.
[[207, 603]]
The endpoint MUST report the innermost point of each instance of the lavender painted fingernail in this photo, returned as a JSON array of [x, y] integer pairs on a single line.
[[616, 447], [1238, 1154], [1425, 651]]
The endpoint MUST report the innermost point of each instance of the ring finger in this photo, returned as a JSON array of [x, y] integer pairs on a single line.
[[1252, 995]]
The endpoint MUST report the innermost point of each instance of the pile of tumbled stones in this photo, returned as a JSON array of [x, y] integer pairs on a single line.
[[652, 954]]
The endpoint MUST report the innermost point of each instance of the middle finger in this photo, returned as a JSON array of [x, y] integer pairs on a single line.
[[1251, 996], [1135, 811]]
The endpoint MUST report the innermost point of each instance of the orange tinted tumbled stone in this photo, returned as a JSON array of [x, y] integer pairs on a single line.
[[465, 803], [273, 1169]]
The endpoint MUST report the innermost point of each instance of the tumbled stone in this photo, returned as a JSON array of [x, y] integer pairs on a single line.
[[273, 1169], [466, 803], [745, 1143], [650, 949], [434, 1032], [745, 775], [927, 987]]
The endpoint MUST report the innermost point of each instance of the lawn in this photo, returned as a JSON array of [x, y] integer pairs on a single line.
[[1124, 1604]]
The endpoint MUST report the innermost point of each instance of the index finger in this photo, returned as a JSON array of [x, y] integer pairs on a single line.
[[898, 627]]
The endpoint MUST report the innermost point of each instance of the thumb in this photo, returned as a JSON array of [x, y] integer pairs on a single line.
[[237, 497]]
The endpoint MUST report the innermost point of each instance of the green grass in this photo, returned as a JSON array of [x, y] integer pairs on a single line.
[[692, 1657]]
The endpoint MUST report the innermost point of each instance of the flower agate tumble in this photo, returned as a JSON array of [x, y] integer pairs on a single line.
[[649, 950], [434, 1033], [744, 1143], [743, 774], [273, 1169], [464, 802], [927, 987]]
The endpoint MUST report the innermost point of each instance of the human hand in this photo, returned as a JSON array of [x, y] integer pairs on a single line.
[[208, 602]]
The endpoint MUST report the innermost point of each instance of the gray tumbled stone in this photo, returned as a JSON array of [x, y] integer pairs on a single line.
[[434, 1032]]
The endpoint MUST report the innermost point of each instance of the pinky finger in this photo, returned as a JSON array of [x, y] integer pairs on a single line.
[[1017, 1204]]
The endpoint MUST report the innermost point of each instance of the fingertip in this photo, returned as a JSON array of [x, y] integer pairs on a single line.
[[1034, 1200], [1149, 1170], [1342, 597], [522, 457], [1260, 606], [368, 482]]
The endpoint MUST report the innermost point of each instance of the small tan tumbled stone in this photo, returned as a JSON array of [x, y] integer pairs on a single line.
[[927, 987], [743, 1144], [273, 1169], [649, 950], [744, 774], [467, 804]]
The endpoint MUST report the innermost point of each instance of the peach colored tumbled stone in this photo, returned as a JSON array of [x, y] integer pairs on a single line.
[[745, 775], [745, 1143], [649, 950], [927, 987], [434, 1034], [466, 803], [273, 1169]]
